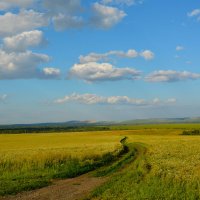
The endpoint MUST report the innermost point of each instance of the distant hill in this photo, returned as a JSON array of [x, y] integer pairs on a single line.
[[77, 124], [162, 121], [59, 124]]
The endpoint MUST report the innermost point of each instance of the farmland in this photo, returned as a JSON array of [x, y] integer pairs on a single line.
[[169, 168]]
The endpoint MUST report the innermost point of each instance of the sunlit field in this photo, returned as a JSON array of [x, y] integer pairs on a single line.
[[170, 168], [74, 144], [29, 161]]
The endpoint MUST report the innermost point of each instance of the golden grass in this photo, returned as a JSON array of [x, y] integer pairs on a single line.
[[73, 144], [170, 154]]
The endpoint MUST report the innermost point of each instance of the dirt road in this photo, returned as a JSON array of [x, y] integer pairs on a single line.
[[69, 189]]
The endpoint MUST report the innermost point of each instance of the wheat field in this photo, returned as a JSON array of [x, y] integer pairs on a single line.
[[174, 161]]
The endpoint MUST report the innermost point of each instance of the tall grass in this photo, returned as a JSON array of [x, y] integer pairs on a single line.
[[32, 161], [37, 171], [170, 169]]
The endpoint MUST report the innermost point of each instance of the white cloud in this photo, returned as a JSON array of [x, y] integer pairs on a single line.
[[95, 99], [91, 99], [131, 53], [126, 2], [171, 76], [22, 65], [158, 101], [147, 54], [70, 14], [51, 72], [7, 4], [95, 57], [93, 72], [25, 20], [23, 41], [179, 48], [106, 16], [63, 6], [194, 13], [66, 14], [62, 22]]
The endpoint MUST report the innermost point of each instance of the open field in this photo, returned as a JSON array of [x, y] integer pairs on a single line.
[[169, 168], [12, 129], [31, 161]]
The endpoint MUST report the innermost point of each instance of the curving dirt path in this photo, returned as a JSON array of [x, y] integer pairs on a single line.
[[69, 189]]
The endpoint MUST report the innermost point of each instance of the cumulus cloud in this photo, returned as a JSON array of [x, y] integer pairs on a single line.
[[95, 72], [22, 65], [51, 72], [23, 41], [158, 101], [18, 33], [63, 6], [147, 54], [66, 14], [112, 100], [95, 57], [126, 2], [95, 99], [179, 48], [62, 22], [70, 14], [131, 53], [25, 20], [106, 16], [7, 4], [171, 76], [195, 13]]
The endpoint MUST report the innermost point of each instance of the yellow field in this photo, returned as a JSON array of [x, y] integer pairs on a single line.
[[174, 162], [167, 151], [171, 155], [176, 157], [73, 144]]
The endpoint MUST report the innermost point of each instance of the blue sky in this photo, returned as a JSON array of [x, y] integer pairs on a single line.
[[98, 60]]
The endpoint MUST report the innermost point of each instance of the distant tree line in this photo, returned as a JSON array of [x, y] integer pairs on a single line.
[[27, 130]]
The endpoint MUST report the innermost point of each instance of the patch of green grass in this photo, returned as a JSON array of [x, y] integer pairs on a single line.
[[29, 175], [130, 154], [137, 181]]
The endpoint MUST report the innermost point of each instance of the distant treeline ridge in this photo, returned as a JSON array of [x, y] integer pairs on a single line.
[[51, 129]]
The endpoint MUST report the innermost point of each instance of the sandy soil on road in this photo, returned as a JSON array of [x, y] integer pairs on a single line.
[[69, 189]]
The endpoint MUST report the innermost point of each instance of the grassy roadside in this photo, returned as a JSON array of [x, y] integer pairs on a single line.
[[29, 175], [136, 181]]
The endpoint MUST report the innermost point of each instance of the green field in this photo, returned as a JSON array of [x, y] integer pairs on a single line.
[[168, 168]]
